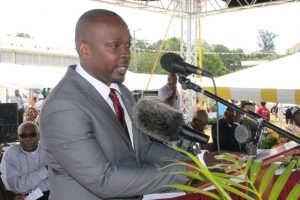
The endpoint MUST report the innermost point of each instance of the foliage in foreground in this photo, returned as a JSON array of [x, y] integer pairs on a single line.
[[237, 176]]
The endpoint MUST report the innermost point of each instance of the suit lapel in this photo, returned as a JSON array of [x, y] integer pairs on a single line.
[[93, 96], [129, 107]]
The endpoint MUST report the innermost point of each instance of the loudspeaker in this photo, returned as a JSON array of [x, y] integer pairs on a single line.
[[8, 122]]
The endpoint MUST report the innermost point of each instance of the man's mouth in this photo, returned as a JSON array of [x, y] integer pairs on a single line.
[[123, 68]]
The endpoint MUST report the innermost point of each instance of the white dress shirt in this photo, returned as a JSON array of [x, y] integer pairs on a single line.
[[104, 91]]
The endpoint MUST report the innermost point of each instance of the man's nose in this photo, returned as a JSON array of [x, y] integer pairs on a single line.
[[125, 52]]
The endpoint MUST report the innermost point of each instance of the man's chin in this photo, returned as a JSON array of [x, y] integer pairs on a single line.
[[119, 80], [29, 148]]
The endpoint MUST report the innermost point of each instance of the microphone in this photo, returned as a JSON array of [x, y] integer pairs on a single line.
[[173, 63], [164, 123], [246, 131]]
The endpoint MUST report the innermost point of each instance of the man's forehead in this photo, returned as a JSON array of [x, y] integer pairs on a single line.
[[28, 127]]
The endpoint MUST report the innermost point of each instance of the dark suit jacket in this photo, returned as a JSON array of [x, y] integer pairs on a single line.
[[90, 158], [226, 136]]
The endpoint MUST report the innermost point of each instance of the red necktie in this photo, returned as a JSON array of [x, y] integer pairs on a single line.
[[118, 109]]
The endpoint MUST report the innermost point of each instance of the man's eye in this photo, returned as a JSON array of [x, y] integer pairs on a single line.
[[115, 46]]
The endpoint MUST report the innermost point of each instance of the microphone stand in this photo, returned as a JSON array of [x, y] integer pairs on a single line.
[[252, 148], [187, 84]]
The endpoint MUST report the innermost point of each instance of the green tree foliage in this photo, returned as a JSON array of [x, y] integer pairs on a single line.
[[265, 40], [230, 58], [214, 64], [142, 45], [147, 55], [172, 44], [217, 59], [145, 63], [212, 61]]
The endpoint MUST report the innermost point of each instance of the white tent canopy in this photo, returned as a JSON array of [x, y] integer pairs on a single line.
[[275, 81], [28, 76]]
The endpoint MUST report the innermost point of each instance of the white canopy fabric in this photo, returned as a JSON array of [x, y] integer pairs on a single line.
[[29, 76], [275, 81], [136, 81]]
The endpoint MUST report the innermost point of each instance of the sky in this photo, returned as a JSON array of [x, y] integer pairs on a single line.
[[54, 21]]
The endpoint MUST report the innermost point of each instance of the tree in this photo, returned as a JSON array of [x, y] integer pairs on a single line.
[[212, 61], [214, 65], [230, 58], [147, 55], [265, 40]]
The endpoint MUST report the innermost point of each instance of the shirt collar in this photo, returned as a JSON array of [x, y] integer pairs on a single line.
[[102, 88]]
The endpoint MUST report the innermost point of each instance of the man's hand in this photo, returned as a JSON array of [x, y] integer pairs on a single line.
[[209, 159], [20, 197]]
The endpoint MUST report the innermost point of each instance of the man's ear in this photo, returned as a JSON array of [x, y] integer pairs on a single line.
[[18, 137], [84, 50]]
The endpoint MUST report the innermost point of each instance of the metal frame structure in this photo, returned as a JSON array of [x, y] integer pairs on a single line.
[[205, 7], [189, 11]]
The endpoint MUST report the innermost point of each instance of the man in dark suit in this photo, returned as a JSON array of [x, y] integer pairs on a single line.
[[227, 127], [94, 150]]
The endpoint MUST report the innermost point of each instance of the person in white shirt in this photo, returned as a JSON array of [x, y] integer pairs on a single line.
[[23, 165], [17, 98], [169, 94], [39, 102]]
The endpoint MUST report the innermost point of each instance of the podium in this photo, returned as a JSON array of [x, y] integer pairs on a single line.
[[267, 156]]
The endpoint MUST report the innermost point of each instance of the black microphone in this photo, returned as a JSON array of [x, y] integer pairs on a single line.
[[164, 123], [173, 63]]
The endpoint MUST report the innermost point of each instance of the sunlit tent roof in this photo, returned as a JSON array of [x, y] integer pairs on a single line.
[[275, 81], [135, 81], [29, 76]]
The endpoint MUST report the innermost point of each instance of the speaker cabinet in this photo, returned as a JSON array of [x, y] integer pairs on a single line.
[[8, 122]]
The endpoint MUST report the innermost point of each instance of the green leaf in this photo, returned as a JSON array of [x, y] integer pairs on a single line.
[[268, 176], [227, 157], [228, 176], [195, 190], [237, 192], [255, 169], [193, 175], [281, 181], [205, 172], [229, 182], [248, 165], [294, 193]]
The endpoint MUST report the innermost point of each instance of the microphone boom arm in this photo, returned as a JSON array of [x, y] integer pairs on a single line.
[[187, 84]]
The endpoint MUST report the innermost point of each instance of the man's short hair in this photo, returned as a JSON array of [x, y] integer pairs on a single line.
[[246, 103], [28, 123]]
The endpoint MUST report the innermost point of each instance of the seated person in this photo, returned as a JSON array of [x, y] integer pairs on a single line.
[[248, 106], [23, 165], [227, 127], [199, 123], [200, 120], [294, 126]]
